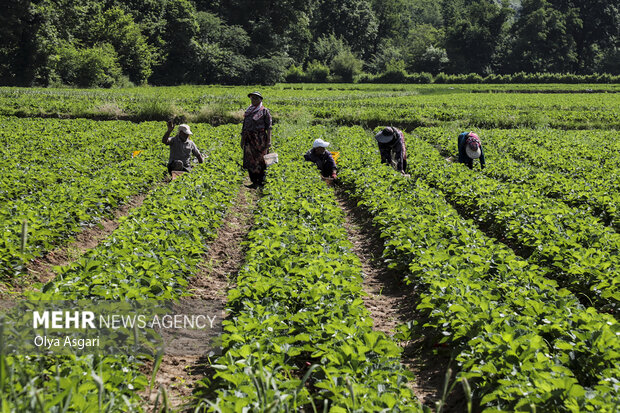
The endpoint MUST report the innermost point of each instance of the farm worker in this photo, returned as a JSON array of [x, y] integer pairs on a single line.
[[391, 143], [322, 158], [256, 138], [181, 148], [470, 148]]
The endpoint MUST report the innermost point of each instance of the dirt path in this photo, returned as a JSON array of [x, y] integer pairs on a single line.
[[42, 269], [178, 375], [391, 303]]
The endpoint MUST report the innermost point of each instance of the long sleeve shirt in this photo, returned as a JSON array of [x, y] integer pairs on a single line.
[[394, 153], [325, 162], [463, 158], [257, 120], [182, 151]]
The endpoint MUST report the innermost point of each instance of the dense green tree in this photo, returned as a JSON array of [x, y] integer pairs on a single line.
[[221, 58], [179, 50], [86, 67], [275, 27], [353, 20], [117, 28], [18, 48], [472, 40], [424, 50], [241, 41], [542, 39], [325, 48], [387, 53], [345, 65], [598, 34]]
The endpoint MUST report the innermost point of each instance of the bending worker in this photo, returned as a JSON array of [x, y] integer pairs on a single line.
[[470, 148], [181, 148], [391, 143], [322, 158]]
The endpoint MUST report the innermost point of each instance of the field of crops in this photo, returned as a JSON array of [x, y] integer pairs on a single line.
[[511, 273]]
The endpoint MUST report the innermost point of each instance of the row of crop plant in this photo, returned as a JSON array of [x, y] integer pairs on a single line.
[[583, 173], [298, 336], [400, 104], [98, 167], [522, 343], [42, 153], [579, 248], [152, 254]]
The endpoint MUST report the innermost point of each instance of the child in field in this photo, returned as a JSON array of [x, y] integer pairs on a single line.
[[322, 158], [470, 148]]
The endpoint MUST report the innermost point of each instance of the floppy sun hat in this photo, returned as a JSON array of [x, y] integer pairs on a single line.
[[319, 143], [385, 135], [185, 129]]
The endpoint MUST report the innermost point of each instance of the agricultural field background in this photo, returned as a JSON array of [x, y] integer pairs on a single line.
[[446, 290]]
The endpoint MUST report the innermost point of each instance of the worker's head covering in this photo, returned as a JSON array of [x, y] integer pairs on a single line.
[[472, 146], [185, 129], [386, 135], [319, 143], [255, 94]]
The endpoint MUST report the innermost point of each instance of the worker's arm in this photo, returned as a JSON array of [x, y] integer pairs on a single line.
[[166, 139], [268, 125], [197, 154], [268, 132], [461, 147], [332, 164], [385, 153], [399, 150]]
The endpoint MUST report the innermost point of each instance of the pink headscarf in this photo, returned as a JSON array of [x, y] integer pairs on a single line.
[[473, 141]]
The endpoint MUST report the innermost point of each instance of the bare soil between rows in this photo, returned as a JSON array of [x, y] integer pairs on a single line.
[[179, 375], [42, 269], [391, 303]]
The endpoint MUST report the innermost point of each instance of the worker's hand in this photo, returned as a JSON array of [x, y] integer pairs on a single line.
[[170, 126], [334, 176]]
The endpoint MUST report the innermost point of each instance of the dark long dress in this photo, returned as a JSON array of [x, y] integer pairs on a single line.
[[255, 142]]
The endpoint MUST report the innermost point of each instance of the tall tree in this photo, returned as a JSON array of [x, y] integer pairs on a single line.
[[275, 26], [543, 40], [18, 49], [472, 39], [353, 20], [180, 50]]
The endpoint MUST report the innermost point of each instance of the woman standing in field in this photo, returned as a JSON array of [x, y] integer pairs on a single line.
[[256, 138], [470, 148]]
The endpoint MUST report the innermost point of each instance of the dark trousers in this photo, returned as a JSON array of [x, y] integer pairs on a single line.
[[257, 178], [178, 166]]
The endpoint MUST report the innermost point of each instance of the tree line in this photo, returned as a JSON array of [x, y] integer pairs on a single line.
[[167, 42]]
